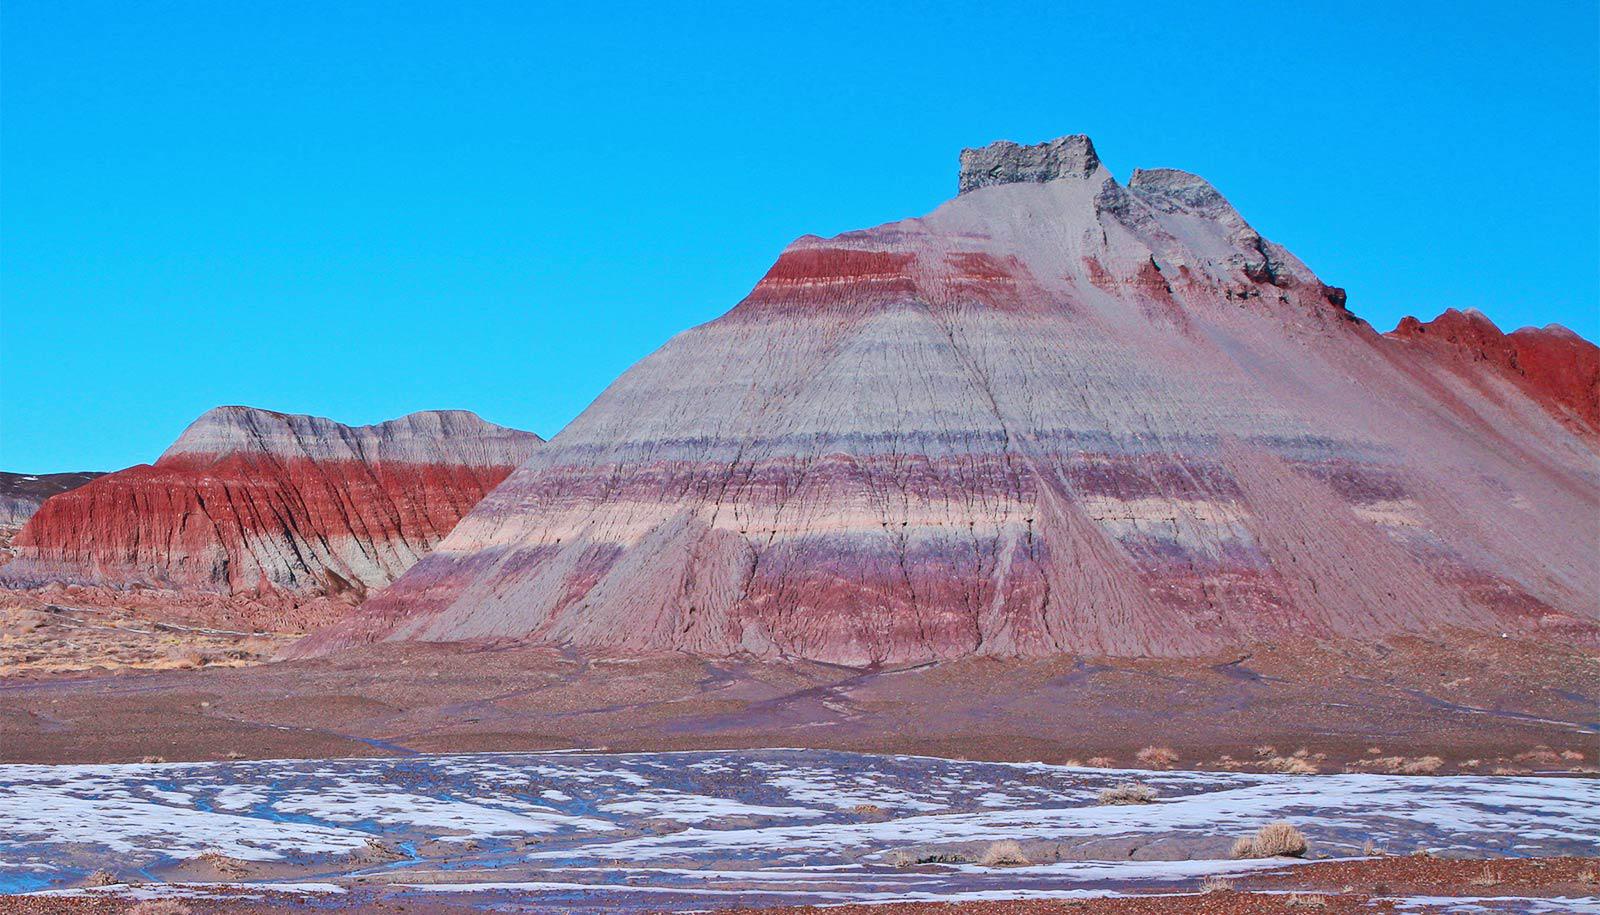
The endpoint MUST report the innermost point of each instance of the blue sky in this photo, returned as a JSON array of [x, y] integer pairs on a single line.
[[362, 209]]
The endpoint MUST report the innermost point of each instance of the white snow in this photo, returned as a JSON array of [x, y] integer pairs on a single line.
[[774, 823]]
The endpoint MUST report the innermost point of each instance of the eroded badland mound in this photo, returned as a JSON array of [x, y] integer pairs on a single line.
[[290, 516], [1058, 415]]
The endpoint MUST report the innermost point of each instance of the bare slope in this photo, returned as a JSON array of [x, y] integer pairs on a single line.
[[271, 505], [1059, 414]]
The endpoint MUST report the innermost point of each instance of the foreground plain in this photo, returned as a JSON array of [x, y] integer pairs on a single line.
[[660, 832]]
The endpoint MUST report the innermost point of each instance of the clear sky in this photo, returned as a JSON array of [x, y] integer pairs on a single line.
[[361, 209]]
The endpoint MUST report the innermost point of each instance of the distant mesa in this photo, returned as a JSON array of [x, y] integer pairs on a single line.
[[1058, 414], [21, 494], [278, 507]]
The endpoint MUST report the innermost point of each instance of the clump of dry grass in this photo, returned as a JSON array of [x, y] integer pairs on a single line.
[[1402, 765], [1371, 849], [101, 877], [1306, 901], [1157, 757], [381, 850], [911, 858], [1274, 840], [1289, 765], [225, 865], [160, 907], [1589, 877], [1485, 877], [233, 754], [1101, 762], [1004, 853], [1216, 885], [152, 759], [1540, 755], [1128, 793], [869, 810]]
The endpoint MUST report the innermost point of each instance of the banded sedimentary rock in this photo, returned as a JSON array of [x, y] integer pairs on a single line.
[[1556, 366], [1058, 414], [271, 505]]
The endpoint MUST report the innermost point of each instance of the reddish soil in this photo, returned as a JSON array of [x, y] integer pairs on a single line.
[[1419, 875], [1329, 888], [1217, 903], [1410, 706]]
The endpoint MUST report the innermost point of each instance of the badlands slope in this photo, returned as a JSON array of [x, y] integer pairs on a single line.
[[270, 507], [1059, 414]]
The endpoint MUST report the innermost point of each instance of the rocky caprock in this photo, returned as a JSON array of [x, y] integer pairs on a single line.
[[276, 506], [1059, 414]]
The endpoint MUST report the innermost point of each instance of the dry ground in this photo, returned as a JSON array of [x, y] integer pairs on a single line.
[[1500, 705], [1329, 888]]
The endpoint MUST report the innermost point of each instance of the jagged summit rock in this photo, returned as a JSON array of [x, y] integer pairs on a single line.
[[281, 507], [1009, 163], [1055, 415]]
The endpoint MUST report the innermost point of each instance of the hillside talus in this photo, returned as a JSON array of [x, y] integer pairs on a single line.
[[1059, 414]]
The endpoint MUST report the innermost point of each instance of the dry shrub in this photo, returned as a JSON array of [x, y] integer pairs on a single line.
[[380, 850], [1129, 793], [1540, 755], [1401, 765], [234, 754], [1157, 757], [160, 907], [1371, 849], [1274, 840], [869, 810], [911, 858], [1424, 765], [1216, 885], [1306, 901], [1589, 877], [1485, 877], [1289, 765], [152, 759], [224, 865], [189, 659], [101, 877], [1572, 756], [1004, 853], [1101, 762]]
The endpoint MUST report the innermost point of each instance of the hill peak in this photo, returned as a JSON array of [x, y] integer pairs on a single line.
[[1005, 162]]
